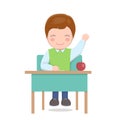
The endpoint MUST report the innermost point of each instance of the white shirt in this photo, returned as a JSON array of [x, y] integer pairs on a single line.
[[76, 51]]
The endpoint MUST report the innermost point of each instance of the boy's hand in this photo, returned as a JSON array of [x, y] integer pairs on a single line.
[[85, 37], [55, 68]]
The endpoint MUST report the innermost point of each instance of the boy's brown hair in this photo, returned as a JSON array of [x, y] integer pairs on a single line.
[[60, 21]]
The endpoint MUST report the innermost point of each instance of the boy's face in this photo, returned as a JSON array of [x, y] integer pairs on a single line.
[[60, 38]]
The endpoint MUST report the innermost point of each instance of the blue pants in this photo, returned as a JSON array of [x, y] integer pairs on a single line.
[[64, 95]]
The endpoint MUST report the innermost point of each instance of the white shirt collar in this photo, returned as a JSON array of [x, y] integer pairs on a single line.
[[60, 50]]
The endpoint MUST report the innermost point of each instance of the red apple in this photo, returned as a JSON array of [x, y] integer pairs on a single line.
[[80, 66]]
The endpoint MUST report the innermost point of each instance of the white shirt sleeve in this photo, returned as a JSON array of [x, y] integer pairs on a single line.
[[45, 62], [77, 50]]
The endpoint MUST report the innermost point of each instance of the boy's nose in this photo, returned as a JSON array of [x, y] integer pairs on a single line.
[[60, 39]]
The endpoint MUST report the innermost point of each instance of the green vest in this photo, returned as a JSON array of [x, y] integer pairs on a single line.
[[60, 59]]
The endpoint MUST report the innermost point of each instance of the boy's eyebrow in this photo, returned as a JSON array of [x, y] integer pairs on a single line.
[[67, 35]]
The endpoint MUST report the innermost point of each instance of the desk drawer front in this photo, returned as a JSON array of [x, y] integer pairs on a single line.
[[49, 82]]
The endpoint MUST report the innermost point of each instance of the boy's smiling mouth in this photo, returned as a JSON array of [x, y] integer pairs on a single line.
[[59, 43]]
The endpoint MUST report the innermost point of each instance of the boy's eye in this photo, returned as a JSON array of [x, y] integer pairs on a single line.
[[52, 35]]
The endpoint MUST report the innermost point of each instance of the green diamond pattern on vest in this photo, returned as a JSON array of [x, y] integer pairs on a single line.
[[60, 59]]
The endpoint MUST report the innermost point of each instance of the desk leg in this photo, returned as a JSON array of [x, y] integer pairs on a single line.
[[42, 100], [32, 102], [86, 102], [76, 100]]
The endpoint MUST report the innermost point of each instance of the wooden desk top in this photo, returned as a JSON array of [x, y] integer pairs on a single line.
[[58, 72]]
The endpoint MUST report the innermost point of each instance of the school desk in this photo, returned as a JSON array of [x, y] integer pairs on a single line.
[[72, 80]]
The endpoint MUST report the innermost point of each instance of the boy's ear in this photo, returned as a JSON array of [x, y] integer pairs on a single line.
[[72, 37], [47, 37]]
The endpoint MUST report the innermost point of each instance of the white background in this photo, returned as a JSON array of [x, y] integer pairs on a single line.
[[22, 38]]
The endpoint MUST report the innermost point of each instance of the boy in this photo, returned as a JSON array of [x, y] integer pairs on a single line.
[[60, 30]]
